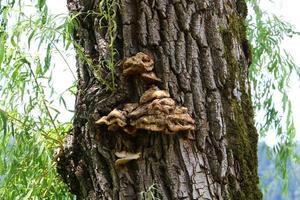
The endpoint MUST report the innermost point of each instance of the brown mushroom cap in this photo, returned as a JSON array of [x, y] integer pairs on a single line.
[[113, 120], [150, 122], [157, 106], [125, 157], [139, 111], [116, 114], [153, 93], [185, 117], [179, 127], [105, 120], [164, 105], [150, 77], [138, 64], [129, 107], [180, 110]]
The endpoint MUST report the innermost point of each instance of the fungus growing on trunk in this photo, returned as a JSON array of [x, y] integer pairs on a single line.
[[124, 157], [153, 93], [158, 112], [150, 77], [114, 120], [155, 112], [138, 64], [142, 65]]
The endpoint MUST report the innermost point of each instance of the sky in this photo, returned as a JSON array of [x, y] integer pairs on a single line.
[[287, 9]]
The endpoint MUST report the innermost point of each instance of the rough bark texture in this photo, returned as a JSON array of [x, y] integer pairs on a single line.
[[202, 56]]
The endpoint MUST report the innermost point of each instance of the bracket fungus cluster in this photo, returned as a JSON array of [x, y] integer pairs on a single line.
[[156, 112]]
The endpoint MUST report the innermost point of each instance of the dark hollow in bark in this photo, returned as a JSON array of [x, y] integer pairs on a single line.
[[202, 57]]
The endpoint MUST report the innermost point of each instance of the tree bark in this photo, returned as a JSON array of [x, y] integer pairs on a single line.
[[202, 56]]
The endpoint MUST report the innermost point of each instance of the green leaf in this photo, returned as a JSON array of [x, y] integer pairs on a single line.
[[30, 37], [47, 60], [28, 195], [3, 122], [2, 47], [41, 4]]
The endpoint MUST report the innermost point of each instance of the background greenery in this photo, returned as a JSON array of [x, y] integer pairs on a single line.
[[35, 116], [272, 183]]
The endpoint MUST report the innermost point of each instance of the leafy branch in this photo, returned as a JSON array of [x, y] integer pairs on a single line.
[[270, 74]]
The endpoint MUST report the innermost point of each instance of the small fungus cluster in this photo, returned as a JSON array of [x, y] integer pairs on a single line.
[[140, 64], [156, 112]]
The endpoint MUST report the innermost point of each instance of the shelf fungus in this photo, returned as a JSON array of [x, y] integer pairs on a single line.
[[141, 64], [156, 112], [114, 120], [125, 157]]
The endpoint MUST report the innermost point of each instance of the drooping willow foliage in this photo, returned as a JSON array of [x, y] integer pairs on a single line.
[[34, 117], [32, 112], [270, 75]]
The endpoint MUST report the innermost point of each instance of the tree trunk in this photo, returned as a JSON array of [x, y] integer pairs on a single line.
[[202, 56]]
